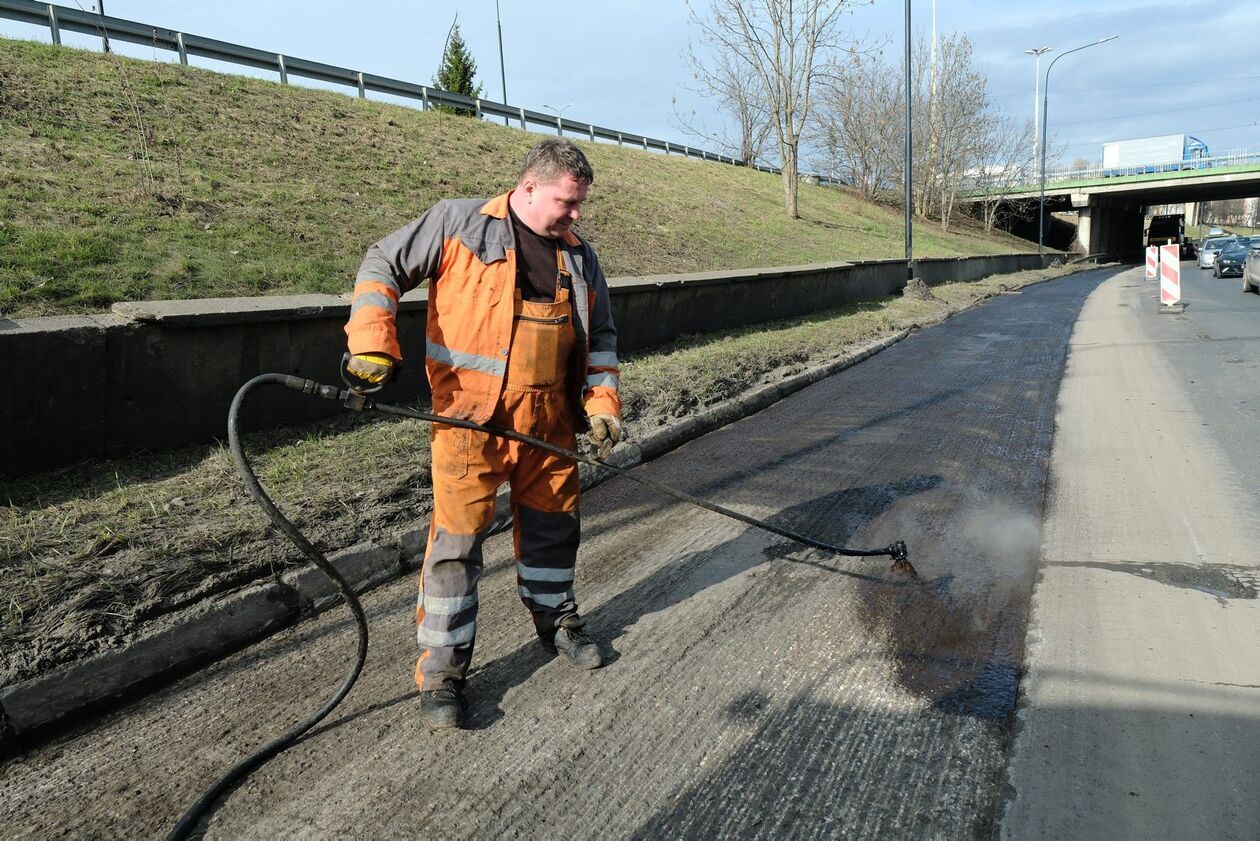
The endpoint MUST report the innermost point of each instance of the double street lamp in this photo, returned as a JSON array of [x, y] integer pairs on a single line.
[[1038, 52], [1045, 95], [559, 112]]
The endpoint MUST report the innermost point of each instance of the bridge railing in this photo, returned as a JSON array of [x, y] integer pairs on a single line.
[[979, 188], [1235, 157]]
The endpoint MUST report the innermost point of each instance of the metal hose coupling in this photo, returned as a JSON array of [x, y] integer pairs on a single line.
[[350, 397]]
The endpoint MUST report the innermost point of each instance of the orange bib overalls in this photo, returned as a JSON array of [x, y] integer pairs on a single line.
[[469, 467]]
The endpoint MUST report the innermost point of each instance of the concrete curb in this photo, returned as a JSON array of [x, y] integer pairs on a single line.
[[213, 630]]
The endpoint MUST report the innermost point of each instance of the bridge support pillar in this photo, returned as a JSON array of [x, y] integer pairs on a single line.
[[1113, 229], [1085, 231], [1192, 215]]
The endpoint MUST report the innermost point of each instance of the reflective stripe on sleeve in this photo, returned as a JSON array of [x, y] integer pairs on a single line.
[[603, 378], [468, 361], [374, 277], [543, 573], [429, 638], [373, 299], [547, 599], [603, 359]]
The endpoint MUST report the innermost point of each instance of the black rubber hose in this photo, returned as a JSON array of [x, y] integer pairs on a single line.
[[186, 824], [896, 551], [356, 400]]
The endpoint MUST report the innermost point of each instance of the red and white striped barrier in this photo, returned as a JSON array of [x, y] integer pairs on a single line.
[[1152, 261], [1169, 275]]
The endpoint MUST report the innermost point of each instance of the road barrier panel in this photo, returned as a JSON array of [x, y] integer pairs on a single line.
[[1170, 279], [1152, 261]]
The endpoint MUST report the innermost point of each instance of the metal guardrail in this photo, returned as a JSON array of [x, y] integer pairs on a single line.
[[1236, 157], [57, 18]]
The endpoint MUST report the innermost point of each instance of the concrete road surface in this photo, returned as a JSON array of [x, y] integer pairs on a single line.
[[755, 689], [1141, 715]]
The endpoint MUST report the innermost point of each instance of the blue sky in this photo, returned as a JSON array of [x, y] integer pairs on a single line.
[[620, 64]]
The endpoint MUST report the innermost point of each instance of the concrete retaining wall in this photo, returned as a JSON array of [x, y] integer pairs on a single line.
[[161, 374]]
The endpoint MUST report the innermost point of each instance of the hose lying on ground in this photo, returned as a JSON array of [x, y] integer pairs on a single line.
[[357, 400]]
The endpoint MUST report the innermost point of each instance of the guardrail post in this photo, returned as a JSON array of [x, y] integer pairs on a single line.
[[478, 109], [667, 147], [522, 118], [645, 148], [619, 143], [559, 126], [181, 49], [592, 131], [424, 98], [53, 26], [284, 73], [362, 87]]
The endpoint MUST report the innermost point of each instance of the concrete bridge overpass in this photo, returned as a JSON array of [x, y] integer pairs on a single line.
[[1112, 207]]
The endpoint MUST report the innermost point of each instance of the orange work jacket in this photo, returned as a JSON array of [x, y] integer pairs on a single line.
[[466, 249]]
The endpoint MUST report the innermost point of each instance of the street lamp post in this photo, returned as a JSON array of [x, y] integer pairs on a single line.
[[1045, 95], [559, 117], [909, 167], [1038, 52]]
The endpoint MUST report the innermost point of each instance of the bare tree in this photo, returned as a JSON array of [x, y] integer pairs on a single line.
[[858, 126], [1002, 164], [731, 83], [784, 42], [965, 143], [963, 118]]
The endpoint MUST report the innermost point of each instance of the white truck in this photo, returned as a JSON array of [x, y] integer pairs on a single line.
[[1166, 153]]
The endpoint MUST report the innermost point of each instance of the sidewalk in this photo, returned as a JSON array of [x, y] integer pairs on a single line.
[[1140, 704]]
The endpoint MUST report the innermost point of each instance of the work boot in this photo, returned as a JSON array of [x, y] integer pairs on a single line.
[[443, 708], [572, 642]]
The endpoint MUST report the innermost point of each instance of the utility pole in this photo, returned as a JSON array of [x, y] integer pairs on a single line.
[[909, 167], [933, 123], [932, 82], [502, 71]]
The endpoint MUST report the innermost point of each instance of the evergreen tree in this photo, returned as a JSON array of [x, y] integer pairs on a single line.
[[457, 71]]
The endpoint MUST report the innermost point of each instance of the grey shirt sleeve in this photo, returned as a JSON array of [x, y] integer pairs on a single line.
[[409, 256], [603, 333]]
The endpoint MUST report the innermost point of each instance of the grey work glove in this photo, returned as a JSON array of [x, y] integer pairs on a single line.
[[605, 432], [372, 368]]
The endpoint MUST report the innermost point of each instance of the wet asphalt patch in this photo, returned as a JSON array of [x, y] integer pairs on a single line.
[[1222, 582]]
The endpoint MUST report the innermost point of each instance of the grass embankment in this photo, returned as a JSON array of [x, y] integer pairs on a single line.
[[88, 555], [135, 180]]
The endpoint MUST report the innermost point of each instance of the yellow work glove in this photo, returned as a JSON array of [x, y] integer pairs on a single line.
[[372, 368], [605, 432]]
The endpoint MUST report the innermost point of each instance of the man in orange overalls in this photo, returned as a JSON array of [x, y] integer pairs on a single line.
[[519, 335]]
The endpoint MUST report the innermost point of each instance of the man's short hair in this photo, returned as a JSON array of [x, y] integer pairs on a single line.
[[554, 158]]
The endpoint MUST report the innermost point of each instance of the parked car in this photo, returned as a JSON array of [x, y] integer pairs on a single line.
[[1251, 269], [1229, 262], [1208, 251]]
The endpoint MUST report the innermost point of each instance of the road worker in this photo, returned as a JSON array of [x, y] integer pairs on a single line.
[[520, 335]]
